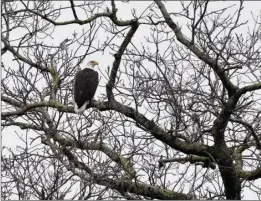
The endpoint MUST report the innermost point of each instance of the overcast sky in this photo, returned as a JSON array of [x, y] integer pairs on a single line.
[[124, 12]]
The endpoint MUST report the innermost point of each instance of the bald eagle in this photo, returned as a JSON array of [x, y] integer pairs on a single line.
[[85, 85]]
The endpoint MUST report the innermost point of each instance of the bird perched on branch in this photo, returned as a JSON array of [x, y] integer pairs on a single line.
[[85, 85]]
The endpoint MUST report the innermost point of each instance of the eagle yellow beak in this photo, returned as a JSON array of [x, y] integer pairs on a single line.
[[96, 62]]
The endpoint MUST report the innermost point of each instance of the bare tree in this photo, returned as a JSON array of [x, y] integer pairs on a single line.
[[174, 116]]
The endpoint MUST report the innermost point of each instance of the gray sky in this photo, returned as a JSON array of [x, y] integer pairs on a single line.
[[9, 136]]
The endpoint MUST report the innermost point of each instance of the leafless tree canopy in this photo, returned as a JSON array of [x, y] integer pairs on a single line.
[[177, 114]]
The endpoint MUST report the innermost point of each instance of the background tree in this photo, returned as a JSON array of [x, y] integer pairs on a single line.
[[175, 116]]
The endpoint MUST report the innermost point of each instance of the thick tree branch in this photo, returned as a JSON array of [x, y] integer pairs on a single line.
[[227, 169], [231, 88], [117, 59], [110, 15], [221, 121], [250, 128], [11, 101], [176, 143], [99, 146], [226, 165], [251, 175], [37, 95], [54, 104], [248, 88], [20, 57], [23, 125], [119, 185], [73, 9], [206, 162]]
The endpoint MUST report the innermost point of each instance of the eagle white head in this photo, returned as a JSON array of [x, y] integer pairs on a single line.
[[92, 64]]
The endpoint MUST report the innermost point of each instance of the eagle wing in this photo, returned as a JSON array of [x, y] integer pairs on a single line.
[[86, 83]]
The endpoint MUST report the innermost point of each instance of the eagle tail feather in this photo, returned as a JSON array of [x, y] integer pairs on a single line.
[[81, 109]]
